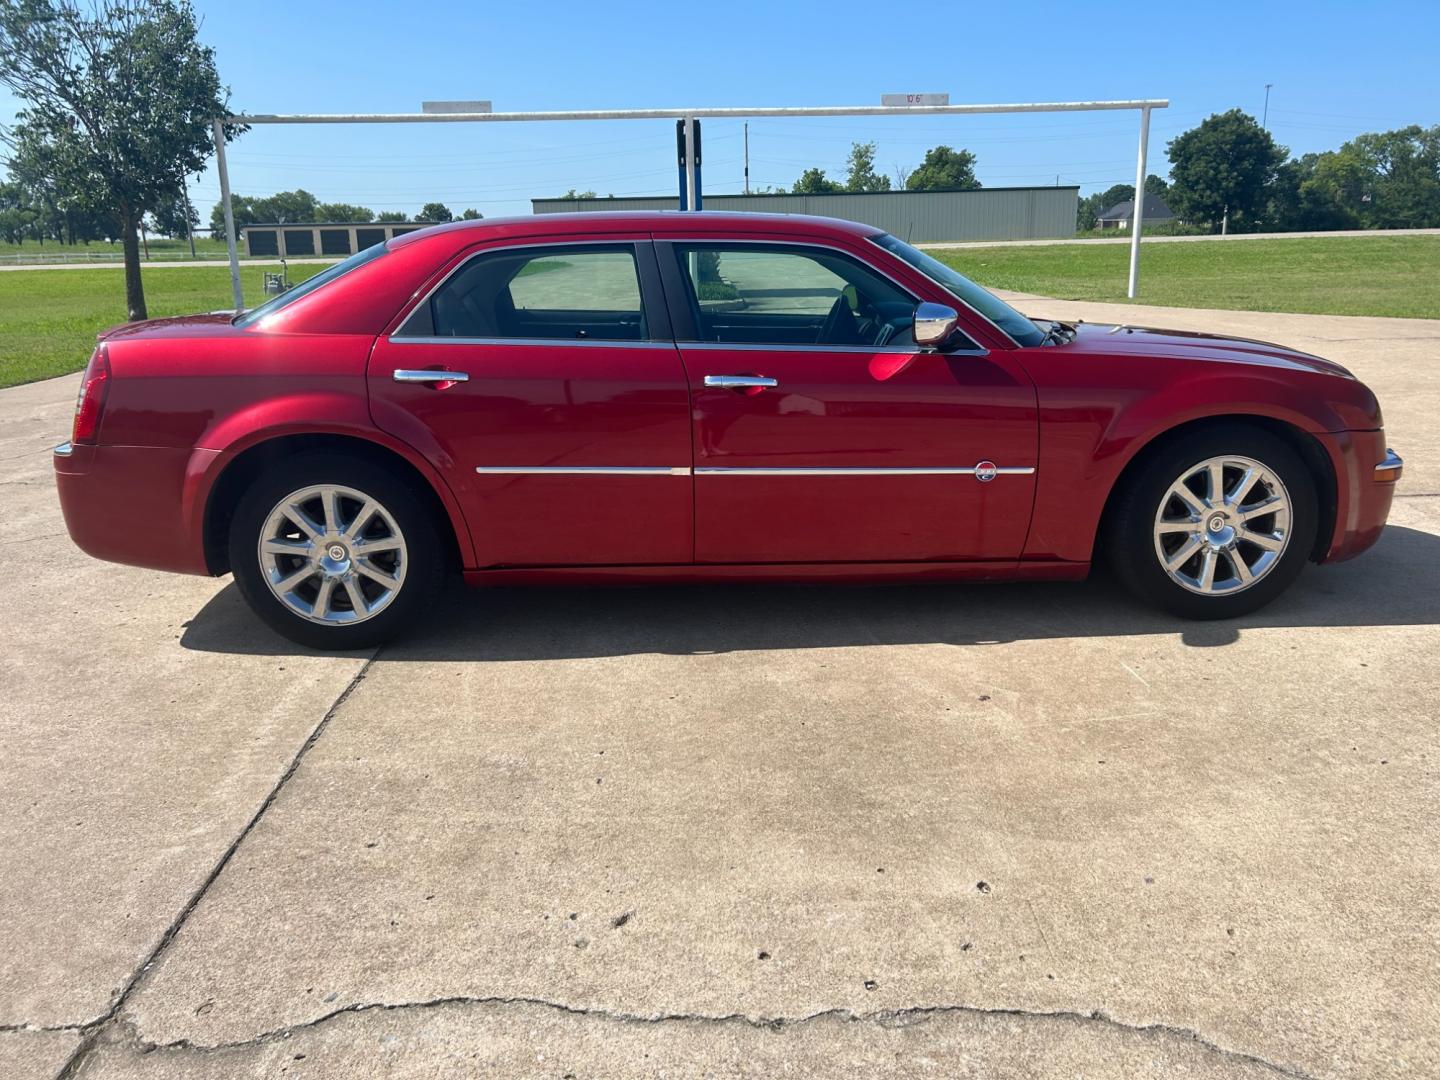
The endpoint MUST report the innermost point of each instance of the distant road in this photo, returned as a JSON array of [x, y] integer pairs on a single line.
[[1124, 238]]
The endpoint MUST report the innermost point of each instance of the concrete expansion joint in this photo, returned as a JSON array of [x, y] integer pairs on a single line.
[[885, 1018]]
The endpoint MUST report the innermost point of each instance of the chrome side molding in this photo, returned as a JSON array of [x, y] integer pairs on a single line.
[[703, 470], [582, 470]]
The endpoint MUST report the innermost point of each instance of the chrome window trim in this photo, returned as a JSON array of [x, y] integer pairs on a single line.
[[582, 470], [873, 350], [978, 314], [425, 299], [613, 343]]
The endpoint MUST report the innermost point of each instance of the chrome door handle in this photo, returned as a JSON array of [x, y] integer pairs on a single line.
[[403, 375], [739, 382]]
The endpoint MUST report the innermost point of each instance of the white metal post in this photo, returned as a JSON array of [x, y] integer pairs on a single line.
[[220, 167], [690, 162], [1139, 213]]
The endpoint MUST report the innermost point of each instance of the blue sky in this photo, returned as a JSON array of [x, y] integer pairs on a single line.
[[1337, 69]]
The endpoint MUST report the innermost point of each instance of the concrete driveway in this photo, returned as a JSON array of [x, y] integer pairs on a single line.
[[1003, 831]]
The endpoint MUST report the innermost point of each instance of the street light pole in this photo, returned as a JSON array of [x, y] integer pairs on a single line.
[[1265, 116]]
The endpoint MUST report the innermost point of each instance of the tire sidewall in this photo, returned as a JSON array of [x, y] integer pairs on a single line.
[[424, 551]]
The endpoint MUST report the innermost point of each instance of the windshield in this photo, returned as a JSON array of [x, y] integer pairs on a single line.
[[309, 285], [1025, 332]]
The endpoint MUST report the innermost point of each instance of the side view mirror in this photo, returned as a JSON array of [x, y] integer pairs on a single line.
[[934, 323]]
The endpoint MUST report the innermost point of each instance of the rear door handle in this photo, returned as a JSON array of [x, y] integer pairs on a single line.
[[424, 376], [739, 382]]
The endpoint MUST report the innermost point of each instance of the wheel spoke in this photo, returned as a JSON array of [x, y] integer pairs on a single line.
[[1264, 509], [321, 607], [301, 521], [1240, 567], [1189, 498], [1206, 580], [1264, 540], [390, 581], [360, 520], [357, 598], [1183, 554], [1216, 473], [330, 500], [288, 584], [373, 547], [1165, 527], [1242, 488], [280, 546]]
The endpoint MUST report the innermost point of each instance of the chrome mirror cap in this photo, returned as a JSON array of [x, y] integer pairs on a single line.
[[934, 323]]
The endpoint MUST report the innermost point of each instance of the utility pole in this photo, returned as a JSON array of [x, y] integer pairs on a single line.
[[1265, 116], [747, 159]]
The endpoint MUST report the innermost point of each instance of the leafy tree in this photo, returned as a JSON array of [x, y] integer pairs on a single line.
[[573, 194], [391, 216], [862, 175], [471, 214], [944, 169], [339, 211], [815, 182], [1092, 206], [1222, 170], [434, 211], [118, 102], [175, 217], [282, 208], [1158, 187]]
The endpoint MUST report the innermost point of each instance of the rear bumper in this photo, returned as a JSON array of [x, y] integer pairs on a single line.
[[1366, 471], [134, 504]]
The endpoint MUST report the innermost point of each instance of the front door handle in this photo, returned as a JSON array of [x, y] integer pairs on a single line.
[[740, 382], [427, 376]]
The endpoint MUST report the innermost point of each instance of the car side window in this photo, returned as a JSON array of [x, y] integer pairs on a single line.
[[748, 294], [560, 293]]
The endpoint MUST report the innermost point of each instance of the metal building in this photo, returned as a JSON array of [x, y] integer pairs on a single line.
[[920, 217], [322, 238]]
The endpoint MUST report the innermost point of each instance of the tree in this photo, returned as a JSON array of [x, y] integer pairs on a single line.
[[118, 99], [1222, 170], [815, 182], [340, 211], [944, 169], [862, 175], [573, 194], [175, 217], [391, 216], [471, 214], [434, 211], [1157, 187]]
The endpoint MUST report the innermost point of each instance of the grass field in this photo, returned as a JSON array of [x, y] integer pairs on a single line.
[[48, 318], [1373, 275]]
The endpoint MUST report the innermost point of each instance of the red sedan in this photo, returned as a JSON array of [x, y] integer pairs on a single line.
[[700, 397]]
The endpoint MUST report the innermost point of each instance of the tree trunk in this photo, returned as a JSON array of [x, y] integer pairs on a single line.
[[134, 289]]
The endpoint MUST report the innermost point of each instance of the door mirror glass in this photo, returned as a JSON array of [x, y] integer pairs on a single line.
[[934, 324]]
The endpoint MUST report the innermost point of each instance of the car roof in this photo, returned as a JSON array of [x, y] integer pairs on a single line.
[[666, 221]]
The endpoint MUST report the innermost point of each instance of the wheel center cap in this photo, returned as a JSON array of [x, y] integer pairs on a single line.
[[337, 552], [1217, 523]]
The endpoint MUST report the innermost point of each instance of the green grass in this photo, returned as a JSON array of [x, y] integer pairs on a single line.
[[168, 250], [49, 318], [1373, 275]]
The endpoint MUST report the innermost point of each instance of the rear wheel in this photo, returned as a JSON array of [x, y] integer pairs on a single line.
[[1215, 525], [335, 553]]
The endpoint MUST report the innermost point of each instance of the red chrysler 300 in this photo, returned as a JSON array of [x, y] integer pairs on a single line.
[[659, 397]]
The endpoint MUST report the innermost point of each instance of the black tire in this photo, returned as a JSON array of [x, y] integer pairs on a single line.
[[1131, 542], [424, 552]]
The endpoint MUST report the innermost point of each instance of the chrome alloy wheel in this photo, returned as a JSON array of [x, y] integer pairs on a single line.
[[1222, 525], [332, 554]]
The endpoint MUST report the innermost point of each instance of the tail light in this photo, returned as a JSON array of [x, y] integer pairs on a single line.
[[91, 402]]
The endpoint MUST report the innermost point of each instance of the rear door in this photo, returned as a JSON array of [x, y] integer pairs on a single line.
[[547, 378]]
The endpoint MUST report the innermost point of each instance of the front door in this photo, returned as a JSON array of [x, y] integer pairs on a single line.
[[821, 434], [549, 387]]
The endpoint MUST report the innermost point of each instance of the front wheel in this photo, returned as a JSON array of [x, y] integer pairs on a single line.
[[1215, 525], [335, 553]]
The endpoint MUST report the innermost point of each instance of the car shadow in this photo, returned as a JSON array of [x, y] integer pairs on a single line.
[[1394, 584]]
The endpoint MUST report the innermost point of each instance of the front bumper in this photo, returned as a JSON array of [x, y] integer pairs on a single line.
[[134, 504], [1366, 471]]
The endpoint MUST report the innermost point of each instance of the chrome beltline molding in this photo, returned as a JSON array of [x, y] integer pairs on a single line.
[[681, 470]]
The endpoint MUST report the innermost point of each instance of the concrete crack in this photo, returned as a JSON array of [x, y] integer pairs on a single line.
[[95, 1028], [883, 1018]]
